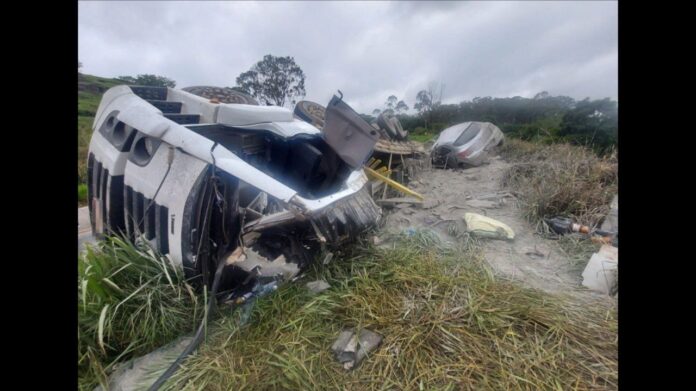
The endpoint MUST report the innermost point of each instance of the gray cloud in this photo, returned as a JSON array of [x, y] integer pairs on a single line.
[[368, 50]]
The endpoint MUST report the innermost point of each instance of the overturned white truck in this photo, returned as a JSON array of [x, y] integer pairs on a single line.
[[198, 179]]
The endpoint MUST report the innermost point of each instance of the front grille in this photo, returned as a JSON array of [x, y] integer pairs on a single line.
[[106, 191], [150, 92], [166, 106], [144, 217]]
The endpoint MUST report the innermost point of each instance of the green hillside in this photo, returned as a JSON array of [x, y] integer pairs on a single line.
[[89, 92]]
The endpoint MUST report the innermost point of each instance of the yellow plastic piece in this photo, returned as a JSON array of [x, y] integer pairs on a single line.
[[383, 170], [374, 163], [396, 185], [484, 226]]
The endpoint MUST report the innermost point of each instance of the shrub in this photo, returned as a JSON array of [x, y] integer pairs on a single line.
[[561, 179]]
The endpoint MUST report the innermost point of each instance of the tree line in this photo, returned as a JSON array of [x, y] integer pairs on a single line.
[[544, 118]]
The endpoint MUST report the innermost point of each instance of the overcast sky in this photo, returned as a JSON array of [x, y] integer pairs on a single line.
[[368, 50]]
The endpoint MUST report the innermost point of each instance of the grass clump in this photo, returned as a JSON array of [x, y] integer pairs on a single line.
[[89, 92], [578, 249], [422, 137], [84, 135], [561, 179], [448, 323], [131, 301], [81, 194]]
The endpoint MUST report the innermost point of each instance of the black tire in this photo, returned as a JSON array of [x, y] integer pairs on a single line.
[[439, 157]]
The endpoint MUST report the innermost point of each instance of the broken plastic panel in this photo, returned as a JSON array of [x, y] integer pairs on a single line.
[[348, 134]]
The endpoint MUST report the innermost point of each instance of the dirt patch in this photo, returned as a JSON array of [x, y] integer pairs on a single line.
[[536, 261]]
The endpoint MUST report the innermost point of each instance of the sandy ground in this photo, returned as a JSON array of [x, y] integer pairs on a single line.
[[529, 258]]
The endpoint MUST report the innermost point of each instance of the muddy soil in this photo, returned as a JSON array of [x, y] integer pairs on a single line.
[[529, 258]]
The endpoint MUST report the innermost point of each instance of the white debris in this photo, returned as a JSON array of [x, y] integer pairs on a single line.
[[351, 347], [601, 272], [318, 286]]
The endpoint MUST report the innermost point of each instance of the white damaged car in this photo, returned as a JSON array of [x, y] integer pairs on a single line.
[[466, 144]]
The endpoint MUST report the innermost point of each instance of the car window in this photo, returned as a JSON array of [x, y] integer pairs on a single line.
[[468, 134]]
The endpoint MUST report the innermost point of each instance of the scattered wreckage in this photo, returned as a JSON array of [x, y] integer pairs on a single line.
[[393, 154], [465, 144], [392, 137], [201, 176]]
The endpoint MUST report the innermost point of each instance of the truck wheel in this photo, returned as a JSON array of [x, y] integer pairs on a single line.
[[311, 112], [223, 95]]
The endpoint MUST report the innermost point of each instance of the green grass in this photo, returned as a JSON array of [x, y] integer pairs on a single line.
[[81, 194], [422, 137], [101, 82], [447, 323], [130, 301], [87, 103], [578, 249], [84, 133]]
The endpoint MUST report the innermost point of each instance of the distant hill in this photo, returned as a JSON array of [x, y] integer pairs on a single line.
[[89, 92]]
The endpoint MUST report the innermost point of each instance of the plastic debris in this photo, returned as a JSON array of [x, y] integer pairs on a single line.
[[249, 299], [318, 286], [408, 232], [327, 258], [350, 348], [563, 225], [486, 227], [601, 272], [396, 185]]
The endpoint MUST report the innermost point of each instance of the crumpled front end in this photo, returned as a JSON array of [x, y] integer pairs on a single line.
[[201, 180], [347, 218]]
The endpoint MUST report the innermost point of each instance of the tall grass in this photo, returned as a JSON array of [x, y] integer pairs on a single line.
[[131, 301], [448, 323], [561, 179]]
